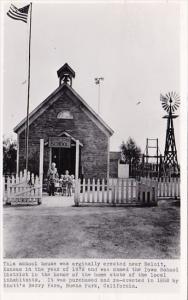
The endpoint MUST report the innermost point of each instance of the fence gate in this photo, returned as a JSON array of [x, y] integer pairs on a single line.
[[24, 189]]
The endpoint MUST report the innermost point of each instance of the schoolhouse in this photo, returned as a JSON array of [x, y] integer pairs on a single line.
[[63, 118]]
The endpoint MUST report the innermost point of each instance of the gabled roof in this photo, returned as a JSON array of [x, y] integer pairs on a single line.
[[66, 69], [51, 99]]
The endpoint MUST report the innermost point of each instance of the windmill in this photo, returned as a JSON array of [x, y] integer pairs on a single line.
[[170, 103]]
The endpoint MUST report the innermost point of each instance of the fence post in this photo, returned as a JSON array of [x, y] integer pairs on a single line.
[[93, 190], [41, 167], [76, 194], [4, 190], [122, 191], [117, 191], [17, 182], [8, 189], [83, 190], [77, 160], [107, 191], [113, 194], [98, 190], [138, 191], [103, 190], [25, 175]]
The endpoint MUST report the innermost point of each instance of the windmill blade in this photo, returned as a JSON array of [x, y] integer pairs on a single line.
[[164, 104], [163, 99], [176, 97], [176, 105], [169, 95], [165, 107]]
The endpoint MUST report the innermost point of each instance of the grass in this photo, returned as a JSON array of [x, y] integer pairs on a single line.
[[92, 232]]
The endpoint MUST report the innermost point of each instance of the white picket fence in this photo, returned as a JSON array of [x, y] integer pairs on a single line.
[[22, 189], [167, 187], [115, 192], [26, 189], [126, 191]]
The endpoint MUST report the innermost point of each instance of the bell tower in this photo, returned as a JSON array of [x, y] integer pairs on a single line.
[[65, 75]]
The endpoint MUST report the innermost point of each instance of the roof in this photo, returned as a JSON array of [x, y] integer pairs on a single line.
[[65, 69], [115, 155], [51, 99]]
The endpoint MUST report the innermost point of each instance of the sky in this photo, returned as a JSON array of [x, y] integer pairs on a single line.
[[134, 46]]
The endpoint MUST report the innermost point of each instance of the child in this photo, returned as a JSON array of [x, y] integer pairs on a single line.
[[64, 186]]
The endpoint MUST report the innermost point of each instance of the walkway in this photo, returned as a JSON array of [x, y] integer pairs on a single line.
[[57, 201]]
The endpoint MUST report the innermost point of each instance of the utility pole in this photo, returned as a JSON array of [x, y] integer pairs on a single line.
[[97, 82]]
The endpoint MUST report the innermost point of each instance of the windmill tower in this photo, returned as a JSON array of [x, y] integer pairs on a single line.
[[170, 103]]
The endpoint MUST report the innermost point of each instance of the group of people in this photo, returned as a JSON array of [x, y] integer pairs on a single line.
[[64, 185]]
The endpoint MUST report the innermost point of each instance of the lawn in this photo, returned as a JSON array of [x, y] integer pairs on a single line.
[[92, 232]]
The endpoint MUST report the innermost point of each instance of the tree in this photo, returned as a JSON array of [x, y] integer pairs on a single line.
[[131, 153], [9, 156]]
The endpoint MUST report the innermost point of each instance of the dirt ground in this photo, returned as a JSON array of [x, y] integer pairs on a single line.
[[50, 231]]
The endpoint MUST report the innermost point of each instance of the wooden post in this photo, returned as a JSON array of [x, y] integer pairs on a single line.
[[76, 200], [8, 190], [77, 160], [50, 156], [17, 156], [41, 166]]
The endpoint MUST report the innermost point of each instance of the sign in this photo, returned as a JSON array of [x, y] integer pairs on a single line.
[[57, 142]]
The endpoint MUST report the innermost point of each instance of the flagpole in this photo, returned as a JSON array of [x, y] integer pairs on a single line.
[[28, 92]]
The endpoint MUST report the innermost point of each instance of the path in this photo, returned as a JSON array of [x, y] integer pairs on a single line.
[[57, 201]]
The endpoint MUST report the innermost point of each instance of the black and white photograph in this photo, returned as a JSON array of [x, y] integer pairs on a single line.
[[91, 130]]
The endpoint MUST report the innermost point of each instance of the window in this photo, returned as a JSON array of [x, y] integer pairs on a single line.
[[66, 114]]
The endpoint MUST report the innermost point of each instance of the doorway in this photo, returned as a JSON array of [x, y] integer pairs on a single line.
[[64, 159]]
